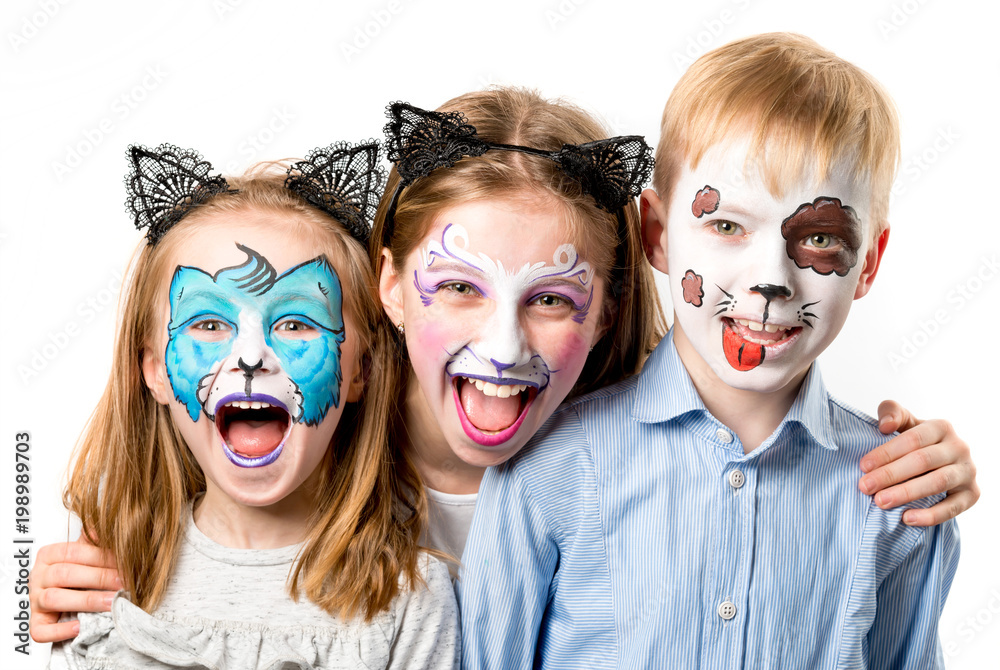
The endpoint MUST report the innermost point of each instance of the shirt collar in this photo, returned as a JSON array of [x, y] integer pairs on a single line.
[[811, 410], [664, 391]]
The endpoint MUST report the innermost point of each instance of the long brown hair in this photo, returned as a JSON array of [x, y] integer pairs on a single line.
[[633, 320], [134, 478]]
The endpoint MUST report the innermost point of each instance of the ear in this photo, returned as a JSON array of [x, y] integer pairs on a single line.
[[389, 288], [654, 229], [357, 384], [872, 261], [155, 375]]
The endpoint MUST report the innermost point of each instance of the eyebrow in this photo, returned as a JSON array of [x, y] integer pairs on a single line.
[[187, 294], [726, 208], [556, 282], [454, 266]]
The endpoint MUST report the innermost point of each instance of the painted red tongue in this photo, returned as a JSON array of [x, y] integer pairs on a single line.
[[489, 413], [742, 355], [255, 438]]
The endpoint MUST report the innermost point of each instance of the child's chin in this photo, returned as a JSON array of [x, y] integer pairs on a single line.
[[765, 378]]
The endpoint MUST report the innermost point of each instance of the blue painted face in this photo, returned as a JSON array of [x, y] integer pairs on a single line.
[[246, 337]]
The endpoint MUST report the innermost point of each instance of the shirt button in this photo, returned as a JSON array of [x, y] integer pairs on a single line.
[[736, 479], [724, 436], [727, 610]]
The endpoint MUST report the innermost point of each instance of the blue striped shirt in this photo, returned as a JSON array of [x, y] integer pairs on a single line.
[[633, 532]]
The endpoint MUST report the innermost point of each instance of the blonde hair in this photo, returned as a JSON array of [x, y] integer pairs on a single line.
[[133, 478], [634, 320], [802, 108]]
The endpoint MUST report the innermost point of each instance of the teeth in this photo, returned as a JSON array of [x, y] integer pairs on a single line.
[[265, 405], [255, 405], [757, 326], [498, 390], [244, 404]]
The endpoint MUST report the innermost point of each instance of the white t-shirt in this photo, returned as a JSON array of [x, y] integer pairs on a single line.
[[229, 608], [449, 519]]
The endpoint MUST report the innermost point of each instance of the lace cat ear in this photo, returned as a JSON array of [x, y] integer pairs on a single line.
[[164, 184], [612, 171], [344, 181], [419, 141]]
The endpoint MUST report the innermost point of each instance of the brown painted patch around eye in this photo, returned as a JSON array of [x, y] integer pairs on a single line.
[[823, 216], [706, 201]]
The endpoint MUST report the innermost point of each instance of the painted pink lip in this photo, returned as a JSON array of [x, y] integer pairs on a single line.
[[488, 439]]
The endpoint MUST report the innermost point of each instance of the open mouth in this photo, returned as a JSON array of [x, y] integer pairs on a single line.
[[746, 343], [490, 411], [253, 428]]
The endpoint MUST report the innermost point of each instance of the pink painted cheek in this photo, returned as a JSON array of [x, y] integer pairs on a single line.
[[567, 354], [439, 334]]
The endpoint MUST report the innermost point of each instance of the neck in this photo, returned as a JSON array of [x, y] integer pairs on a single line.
[[752, 415], [439, 467], [233, 524]]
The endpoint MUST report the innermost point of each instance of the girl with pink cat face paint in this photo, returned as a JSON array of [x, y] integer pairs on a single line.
[[500, 274]]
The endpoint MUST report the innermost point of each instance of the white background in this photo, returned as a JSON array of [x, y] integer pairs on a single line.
[[80, 81]]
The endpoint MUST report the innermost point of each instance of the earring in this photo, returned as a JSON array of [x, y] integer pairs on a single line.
[[399, 327]]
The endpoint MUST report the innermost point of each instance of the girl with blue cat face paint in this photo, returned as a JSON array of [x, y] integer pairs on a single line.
[[242, 478]]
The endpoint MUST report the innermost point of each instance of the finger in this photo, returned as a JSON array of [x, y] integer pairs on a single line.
[[912, 464], [80, 552], [53, 632], [934, 482], [75, 576], [892, 417], [923, 435], [71, 600], [948, 508]]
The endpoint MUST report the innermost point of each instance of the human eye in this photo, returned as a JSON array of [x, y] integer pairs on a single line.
[[209, 329], [459, 288], [820, 241], [727, 228], [293, 328], [550, 300]]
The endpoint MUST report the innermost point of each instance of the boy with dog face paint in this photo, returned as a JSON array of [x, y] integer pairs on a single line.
[[778, 273]]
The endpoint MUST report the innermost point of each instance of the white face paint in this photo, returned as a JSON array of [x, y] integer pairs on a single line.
[[500, 314], [762, 285]]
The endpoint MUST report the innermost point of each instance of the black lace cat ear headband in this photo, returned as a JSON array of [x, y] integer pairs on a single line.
[[166, 183], [418, 141]]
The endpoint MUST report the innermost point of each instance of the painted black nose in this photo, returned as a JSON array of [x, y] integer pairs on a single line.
[[248, 371], [771, 291]]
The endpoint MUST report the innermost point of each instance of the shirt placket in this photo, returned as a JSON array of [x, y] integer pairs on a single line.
[[725, 602]]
